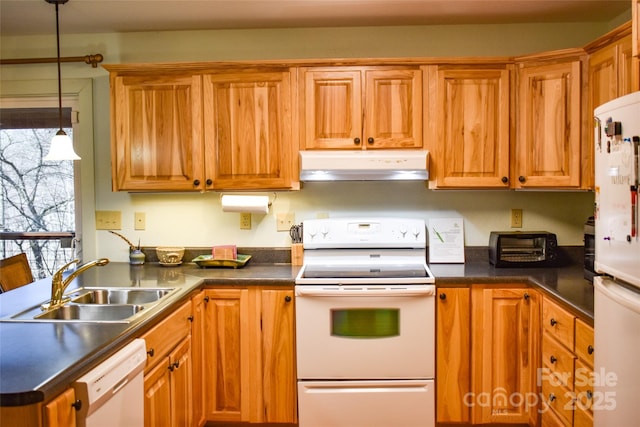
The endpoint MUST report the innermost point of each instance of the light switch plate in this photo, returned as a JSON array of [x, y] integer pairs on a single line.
[[285, 220], [108, 220], [139, 221]]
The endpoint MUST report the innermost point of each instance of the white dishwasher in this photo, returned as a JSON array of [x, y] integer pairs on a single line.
[[112, 394]]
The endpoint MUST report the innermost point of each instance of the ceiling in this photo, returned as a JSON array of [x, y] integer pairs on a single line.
[[29, 17]]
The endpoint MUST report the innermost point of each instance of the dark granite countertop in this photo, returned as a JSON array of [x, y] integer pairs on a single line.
[[39, 360]]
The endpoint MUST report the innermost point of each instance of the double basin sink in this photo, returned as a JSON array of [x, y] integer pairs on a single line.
[[113, 305]]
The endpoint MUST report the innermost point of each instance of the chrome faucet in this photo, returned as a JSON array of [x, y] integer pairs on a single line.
[[58, 285]]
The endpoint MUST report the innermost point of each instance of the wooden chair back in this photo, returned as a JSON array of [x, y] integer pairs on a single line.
[[15, 272]]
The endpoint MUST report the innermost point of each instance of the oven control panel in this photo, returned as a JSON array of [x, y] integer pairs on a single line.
[[329, 233]]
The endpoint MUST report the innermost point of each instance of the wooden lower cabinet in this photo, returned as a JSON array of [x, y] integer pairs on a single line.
[[61, 412], [168, 374], [487, 352], [248, 373]]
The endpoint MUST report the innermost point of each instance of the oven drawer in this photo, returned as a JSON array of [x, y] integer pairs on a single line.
[[362, 335], [408, 403]]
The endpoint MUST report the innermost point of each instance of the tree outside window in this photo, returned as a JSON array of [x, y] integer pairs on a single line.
[[37, 196]]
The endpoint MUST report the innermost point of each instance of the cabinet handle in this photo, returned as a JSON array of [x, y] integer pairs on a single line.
[[552, 359], [287, 298], [504, 179], [590, 349], [553, 322], [190, 318], [370, 140], [552, 397], [356, 141], [209, 181], [526, 296], [196, 182], [521, 178], [77, 405], [443, 296], [150, 352]]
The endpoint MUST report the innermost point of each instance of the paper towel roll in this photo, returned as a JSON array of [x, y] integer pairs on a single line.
[[245, 203]]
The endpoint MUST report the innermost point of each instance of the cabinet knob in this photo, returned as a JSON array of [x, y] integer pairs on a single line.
[[443, 296], [504, 179], [206, 299], [521, 178], [196, 182], [190, 318], [171, 367], [151, 352], [590, 349], [526, 296], [209, 181], [370, 140], [553, 322], [589, 394], [552, 397], [77, 405], [287, 298], [553, 359], [356, 141]]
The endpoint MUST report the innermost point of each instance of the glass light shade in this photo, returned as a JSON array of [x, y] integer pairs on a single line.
[[61, 148]]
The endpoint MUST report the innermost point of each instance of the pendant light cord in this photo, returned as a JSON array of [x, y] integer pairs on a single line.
[[59, 74]]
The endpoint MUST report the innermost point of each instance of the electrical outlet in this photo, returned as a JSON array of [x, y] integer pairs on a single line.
[[139, 221], [516, 218], [284, 221], [108, 220], [245, 221]]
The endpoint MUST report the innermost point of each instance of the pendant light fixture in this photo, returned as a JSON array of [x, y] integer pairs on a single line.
[[61, 145]]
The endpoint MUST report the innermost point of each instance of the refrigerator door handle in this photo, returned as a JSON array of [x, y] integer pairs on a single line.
[[618, 293]]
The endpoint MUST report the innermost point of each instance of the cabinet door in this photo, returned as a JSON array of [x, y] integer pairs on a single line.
[[60, 412], [548, 148], [393, 109], [181, 385], [278, 356], [228, 355], [199, 359], [157, 396], [468, 129], [156, 132], [505, 354], [453, 354], [625, 67], [331, 105], [248, 131]]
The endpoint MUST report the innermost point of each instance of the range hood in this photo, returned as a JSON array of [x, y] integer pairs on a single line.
[[364, 165]]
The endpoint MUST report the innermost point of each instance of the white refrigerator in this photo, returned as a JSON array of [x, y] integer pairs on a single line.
[[616, 398]]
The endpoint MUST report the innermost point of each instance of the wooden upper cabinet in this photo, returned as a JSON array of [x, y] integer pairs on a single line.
[[361, 108], [248, 130], [635, 6], [610, 68], [549, 151], [156, 132], [468, 134]]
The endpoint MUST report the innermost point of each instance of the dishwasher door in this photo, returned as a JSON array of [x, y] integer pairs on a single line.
[[112, 394]]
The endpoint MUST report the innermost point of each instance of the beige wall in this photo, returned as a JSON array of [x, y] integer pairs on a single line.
[[197, 220]]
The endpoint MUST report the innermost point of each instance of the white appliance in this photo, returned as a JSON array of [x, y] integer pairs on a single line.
[[617, 256], [112, 394], [365, 324]]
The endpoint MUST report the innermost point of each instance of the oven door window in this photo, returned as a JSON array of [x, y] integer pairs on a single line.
[[365, 322]]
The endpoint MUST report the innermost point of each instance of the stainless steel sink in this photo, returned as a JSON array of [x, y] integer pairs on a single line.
[[99, 304], [90, 312], [119, 296]]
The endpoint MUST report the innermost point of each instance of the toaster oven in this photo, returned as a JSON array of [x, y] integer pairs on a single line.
[[523, 249]]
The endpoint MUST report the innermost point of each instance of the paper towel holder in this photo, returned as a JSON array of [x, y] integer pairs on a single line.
[[246, 203]]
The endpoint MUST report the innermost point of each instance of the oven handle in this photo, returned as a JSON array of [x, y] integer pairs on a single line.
[[317, 291]]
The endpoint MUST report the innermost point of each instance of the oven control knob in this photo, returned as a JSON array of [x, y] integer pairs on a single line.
[[324, 231], [403, 230], [312, 233], [416, 233]]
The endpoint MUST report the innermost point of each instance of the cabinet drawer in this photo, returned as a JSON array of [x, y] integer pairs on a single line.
[[550, 419], [163, 337], [558, 359], [584, 382], [558, 399], [558, 322], [584, 342]]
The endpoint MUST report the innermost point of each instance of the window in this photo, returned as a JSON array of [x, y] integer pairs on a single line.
[[37, 203]]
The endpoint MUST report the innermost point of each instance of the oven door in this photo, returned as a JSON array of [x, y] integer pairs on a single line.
[[365, 332], [406, 403]]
